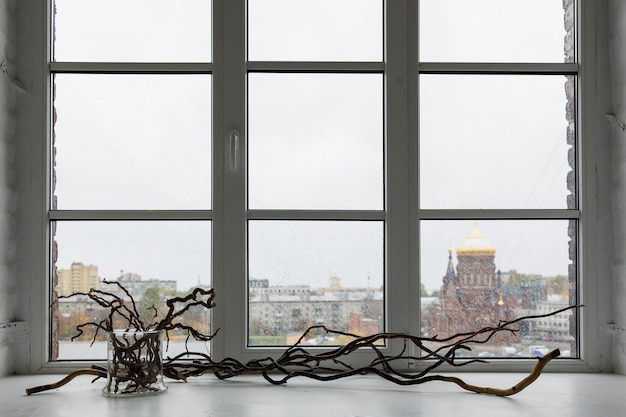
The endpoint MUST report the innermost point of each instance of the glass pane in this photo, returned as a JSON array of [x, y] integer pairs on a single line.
[[477, 273], [495, 141], [304, 273], [323, 30], [132, 31], [153, 260], [133, 141], [315, 141], [496, 31]]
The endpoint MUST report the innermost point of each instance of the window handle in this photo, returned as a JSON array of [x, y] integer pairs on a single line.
[[233, 144]]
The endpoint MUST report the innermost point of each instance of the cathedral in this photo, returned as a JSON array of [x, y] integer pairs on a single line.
[[472, 296]]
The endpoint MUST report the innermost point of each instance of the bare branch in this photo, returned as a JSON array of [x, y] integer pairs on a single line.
[[296, 361]]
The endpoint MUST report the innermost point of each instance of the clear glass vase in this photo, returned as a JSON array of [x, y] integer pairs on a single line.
[[134, 363]]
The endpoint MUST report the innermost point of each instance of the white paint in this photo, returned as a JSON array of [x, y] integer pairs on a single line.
[[617, 120], [9, 89], [12, 338]]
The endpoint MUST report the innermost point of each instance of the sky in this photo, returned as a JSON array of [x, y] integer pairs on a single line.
[[486, 141]]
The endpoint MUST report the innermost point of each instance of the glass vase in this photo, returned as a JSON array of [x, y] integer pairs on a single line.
[[134, 363]]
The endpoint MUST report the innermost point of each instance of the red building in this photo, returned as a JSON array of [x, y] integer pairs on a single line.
[[472, 297]]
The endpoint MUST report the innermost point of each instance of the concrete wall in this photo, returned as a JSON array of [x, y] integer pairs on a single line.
[[617, 120], [9, 90]]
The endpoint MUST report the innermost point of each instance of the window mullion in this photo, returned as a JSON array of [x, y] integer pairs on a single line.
[[489, 214], [131, 67], [313, 67], [229, 195], [55, 215], [402, 306], [497, 68]]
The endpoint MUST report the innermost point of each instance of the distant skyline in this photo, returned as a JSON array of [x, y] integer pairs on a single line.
[[299, 260]]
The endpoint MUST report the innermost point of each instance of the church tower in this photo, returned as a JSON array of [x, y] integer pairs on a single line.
[[471, 297]]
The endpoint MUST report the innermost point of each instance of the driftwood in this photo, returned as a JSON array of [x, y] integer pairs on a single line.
[[327, 365]]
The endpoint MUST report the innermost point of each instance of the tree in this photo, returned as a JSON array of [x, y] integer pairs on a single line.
[[151, 307], [423, 291], [557, 284], [198, 318], [67, 326], [518, 279]]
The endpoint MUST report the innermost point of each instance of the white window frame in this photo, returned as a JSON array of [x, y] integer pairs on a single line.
[[229, 214]]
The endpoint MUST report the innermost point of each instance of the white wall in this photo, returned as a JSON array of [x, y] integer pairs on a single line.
[[8, 98], [617, 120]]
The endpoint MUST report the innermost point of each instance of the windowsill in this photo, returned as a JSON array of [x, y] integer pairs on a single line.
[[564, 394]]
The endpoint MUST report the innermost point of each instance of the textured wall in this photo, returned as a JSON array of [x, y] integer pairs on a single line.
[[617, 119], [8, 97]]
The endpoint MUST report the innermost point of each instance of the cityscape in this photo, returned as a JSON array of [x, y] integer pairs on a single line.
[[473, 295]]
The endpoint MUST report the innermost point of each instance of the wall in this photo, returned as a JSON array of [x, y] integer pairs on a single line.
[[9, 90], [617, 120]]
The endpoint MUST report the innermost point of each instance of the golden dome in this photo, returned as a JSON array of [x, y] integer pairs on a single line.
[[475, 244]]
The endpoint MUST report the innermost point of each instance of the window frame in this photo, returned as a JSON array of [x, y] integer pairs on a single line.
[[229, 214]]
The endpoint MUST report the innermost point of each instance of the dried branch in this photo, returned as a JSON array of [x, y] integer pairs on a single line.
[[329, 365], [541, 363], [198, 297], [118, 308], [326, 366], [95, 370], [132, 372]]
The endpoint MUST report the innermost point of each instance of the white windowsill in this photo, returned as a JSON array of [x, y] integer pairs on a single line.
[[552, 394]]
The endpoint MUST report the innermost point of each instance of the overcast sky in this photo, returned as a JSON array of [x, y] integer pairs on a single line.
[[137, 142]]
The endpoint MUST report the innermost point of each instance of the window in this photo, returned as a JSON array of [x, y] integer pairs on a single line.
[[409, 166], [131, 182], [497, 158]]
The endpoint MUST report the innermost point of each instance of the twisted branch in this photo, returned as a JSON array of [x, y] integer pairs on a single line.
[[329, 365]]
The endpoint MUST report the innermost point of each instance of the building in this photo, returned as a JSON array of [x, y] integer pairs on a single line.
[[77, 304], [472, 296], [136, 286], [553, 330], [284, 310], [78, 278]]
